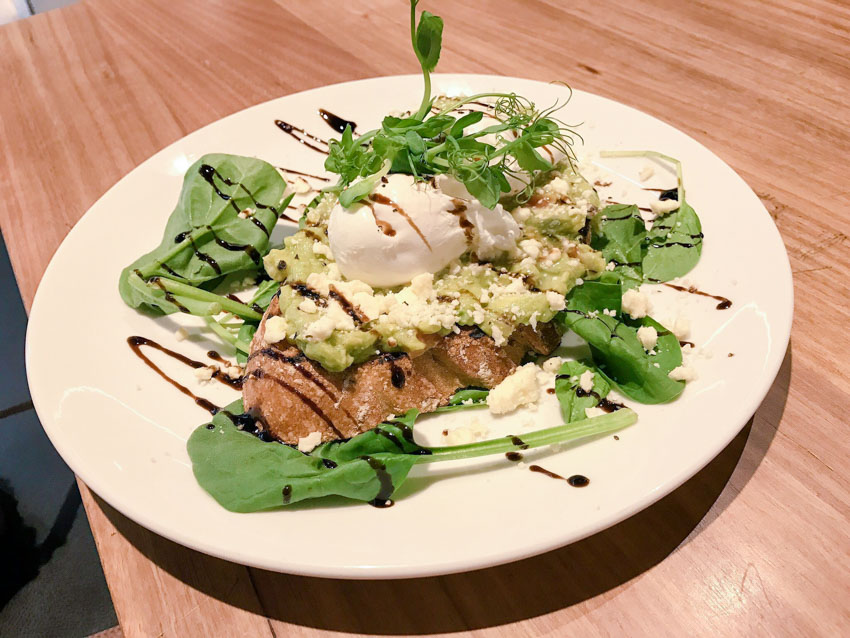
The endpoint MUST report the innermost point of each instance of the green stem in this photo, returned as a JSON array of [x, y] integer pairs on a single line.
[[191, 292], [595, 426], [227, 336]]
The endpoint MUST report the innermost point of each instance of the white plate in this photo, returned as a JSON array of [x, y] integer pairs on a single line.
[[123, 430]]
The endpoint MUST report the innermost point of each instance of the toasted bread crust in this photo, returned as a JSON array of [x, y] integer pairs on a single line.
[[293, 396]]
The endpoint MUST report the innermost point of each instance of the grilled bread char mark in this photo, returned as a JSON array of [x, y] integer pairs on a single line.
[[294, 396]]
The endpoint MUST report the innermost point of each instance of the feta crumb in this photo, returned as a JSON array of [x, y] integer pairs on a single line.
[[648, 337], [635, 303], [556, 301], [321, 250], [610, 266], [579, 281], [309, 306], [275, 329], [308, 443], [475, 431], [530, 247], [234, 372], [592, 412], [205, 373], [681, 327], [646, 171], [300, 186], [497, 335], [661, 206], [181, 334], [683, 373], [423, 286], [517, 389], [552, 364], [585, 381]]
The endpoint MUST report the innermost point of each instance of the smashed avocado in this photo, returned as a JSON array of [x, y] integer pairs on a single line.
[[338, 323]]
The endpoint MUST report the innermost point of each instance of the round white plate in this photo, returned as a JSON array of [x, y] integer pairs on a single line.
[[123, 430]]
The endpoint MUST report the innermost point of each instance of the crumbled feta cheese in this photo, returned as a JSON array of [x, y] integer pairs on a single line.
[[683, 373], [205, 373], [322, 250], [275, 329], [518, 389], [559, 186], [308, 443], [423, 286], [335, 318], [552, 364], [592, 412], [475, 431], [234, 372], [309, 306], [497, 335], [300, 186], [181, 334], [530, 247], [636, 304], [661, 206], [585, 381], [681, 327], [610, 266], [646, 171], [556, 300], [648, 337]]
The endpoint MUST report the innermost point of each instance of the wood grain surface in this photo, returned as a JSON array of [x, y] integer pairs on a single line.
[[756, 544]]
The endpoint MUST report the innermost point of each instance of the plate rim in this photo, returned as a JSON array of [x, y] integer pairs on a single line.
[[399, 571]]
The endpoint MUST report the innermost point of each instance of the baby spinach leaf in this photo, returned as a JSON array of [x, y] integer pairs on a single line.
[[620, 234], [246, 474], [574, 401], [674, 244], [615, 348], [205, 237]]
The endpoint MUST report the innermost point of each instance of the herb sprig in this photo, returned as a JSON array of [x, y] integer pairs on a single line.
[[440, 142]]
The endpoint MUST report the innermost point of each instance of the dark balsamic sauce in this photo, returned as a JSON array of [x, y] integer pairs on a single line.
[[518, 442], [260, 374], [302, 174], [385, 483], [287, 494], [377, 198], [302, 136], [514, 456], [605, 404], [724, 302], [336, 122], [136, 344], [349, 308], [576, 480]]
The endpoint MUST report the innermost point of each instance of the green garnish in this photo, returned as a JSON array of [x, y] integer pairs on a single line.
[[245, 474], [439, 144]]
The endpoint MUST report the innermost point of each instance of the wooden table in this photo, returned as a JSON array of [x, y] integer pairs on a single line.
[[756, 544]]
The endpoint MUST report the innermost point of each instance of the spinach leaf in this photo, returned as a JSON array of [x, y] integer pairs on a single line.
[[615, 348], [674, 244], [572, 398], [206, 238], [245, 474], [620, 234]]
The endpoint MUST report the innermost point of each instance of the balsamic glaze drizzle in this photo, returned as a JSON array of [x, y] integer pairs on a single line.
[[336, 122], [136, 344], [385, 481], [576, 480], [302, 136]]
